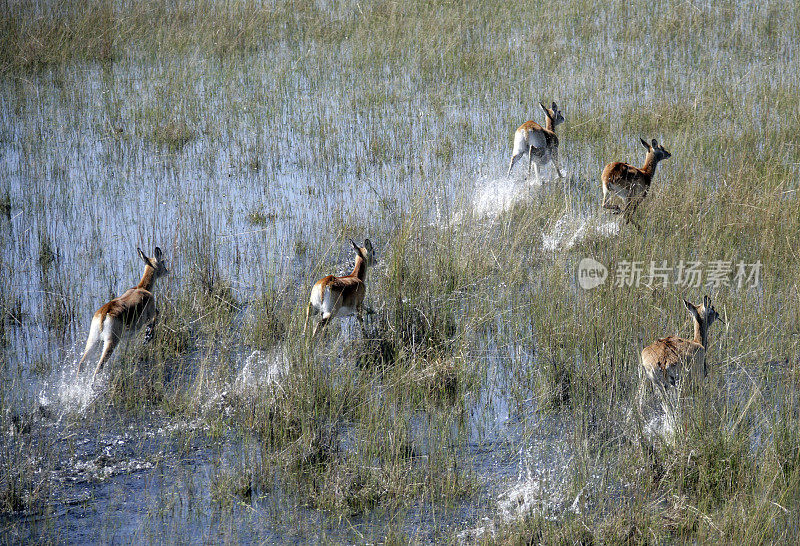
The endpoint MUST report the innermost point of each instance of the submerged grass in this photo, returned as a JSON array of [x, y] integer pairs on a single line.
[[250, 140]]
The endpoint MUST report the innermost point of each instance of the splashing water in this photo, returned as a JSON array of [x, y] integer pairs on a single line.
[[571, 229], [262, 368], [529, 495], [493, 197], [535, 492], [70, 392], [660, 426]]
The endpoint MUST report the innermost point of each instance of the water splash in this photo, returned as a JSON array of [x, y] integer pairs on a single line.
[[495, 196], [536, 491], [530, 494], [572, 228], [105, 466], [661, 427], [262, 368], [70, 392]]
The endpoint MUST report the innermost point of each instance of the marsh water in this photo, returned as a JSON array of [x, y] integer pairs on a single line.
[[118, 480], [252, 171], [86, 195]]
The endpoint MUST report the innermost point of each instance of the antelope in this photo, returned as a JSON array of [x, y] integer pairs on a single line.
[[673, 363], [541, 144], [341, 296], [126, 314], [630, 183]]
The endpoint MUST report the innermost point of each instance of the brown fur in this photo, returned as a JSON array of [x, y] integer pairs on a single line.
[[347, 291], [672, 362], [128, 307], [127, 313], [531, 134], [630, 183], [549, 133]]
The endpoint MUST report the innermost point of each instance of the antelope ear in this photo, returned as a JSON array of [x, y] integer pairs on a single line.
[[706, 302], [144, 258], [368, 245], [554, 107], [644, 143], [355, 246], [692, 309], [546, 111], [158, 254], [655, 144]]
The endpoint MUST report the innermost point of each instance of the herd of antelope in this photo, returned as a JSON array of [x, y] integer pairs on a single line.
[[668, 363]]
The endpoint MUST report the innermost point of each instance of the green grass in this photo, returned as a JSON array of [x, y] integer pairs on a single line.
[[251, 140]]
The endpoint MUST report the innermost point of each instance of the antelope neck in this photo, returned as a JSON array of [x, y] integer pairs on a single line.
[[700, 333], [650, 163], [148, 278], [360, 269]]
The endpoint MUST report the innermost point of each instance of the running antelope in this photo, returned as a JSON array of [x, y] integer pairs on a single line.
[[630, 183], [126, 314], [541, 144], [341, 296], [673, 363]]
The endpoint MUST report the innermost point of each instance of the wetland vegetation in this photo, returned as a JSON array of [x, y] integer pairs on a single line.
[[490, 400]]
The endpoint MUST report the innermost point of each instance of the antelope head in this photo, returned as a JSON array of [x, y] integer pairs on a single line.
[[157, 262], [658, 150], [554, 115], [366, 252]]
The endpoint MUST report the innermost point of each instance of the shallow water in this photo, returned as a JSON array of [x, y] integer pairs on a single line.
[[285, 160], [115, 477], [572, 228]]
